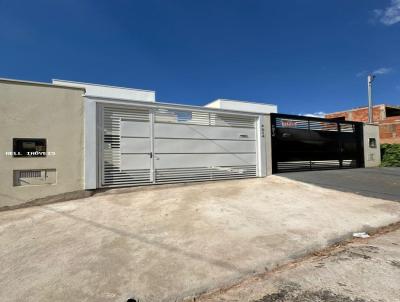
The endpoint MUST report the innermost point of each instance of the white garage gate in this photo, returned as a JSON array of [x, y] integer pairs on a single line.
[[165, 145]]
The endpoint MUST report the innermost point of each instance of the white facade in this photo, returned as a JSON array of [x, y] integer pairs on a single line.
[[103, 91], [243, 106], [140, 143], [130, 139]]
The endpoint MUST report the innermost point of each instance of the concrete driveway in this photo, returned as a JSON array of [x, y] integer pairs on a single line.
[[372, 182], [166, 243]]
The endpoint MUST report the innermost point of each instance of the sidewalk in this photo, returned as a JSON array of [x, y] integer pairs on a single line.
[[366, 270]]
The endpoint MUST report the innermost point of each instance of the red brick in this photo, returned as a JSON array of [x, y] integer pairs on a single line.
[[389, 128]]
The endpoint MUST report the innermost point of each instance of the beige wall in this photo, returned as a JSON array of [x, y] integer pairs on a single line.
[[30, 110], [372, 156]]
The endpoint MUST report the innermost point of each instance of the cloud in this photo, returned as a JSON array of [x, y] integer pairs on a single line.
[[382, 70], [315, 114], [389, 15]]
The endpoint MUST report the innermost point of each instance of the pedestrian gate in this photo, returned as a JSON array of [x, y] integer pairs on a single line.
[[306, 143], [142, 145]]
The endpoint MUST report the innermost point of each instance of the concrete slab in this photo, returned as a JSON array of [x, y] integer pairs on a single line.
[[367, 270], [372, 182], [167, 243]]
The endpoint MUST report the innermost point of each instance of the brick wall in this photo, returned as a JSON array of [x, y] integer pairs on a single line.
[[389, 128], [390, 132], [361, 114]]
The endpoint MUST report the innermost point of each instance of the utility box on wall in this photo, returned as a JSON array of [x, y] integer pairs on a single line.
[[35, 177], [372, 147]]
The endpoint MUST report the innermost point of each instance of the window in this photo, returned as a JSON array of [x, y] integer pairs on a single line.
[[372, 142], [29, 147], [392, 111], [338, 118], [183, 116]]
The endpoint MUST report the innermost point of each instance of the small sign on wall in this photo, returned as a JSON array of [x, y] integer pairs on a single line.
[[29, 147]]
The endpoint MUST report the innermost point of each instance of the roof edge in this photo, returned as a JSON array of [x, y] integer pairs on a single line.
[[101, 85], [43, 84], [239, 101]]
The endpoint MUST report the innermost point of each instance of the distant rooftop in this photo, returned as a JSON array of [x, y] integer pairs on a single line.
[[386, 106]]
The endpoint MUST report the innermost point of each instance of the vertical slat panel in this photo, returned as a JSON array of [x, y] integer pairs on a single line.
[[114, 173]]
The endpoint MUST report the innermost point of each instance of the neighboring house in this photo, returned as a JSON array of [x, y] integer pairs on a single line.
[[386, 116]]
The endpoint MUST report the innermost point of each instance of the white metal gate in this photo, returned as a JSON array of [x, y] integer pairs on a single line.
[[165, 145]]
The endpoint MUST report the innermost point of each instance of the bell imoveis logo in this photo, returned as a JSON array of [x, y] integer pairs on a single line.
[[30, 153]]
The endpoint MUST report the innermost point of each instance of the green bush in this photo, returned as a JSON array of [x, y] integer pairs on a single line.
[[390, 155]]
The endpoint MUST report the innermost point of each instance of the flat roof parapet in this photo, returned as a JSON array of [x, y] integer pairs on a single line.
[[104, 91], [237, 105]]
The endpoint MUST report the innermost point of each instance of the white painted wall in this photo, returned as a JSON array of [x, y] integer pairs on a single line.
[[268, 145], [97, 90], [243, 106], [261, 126], [90, 139]]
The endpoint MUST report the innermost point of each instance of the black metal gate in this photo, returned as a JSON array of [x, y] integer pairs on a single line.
[[301, 143]]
